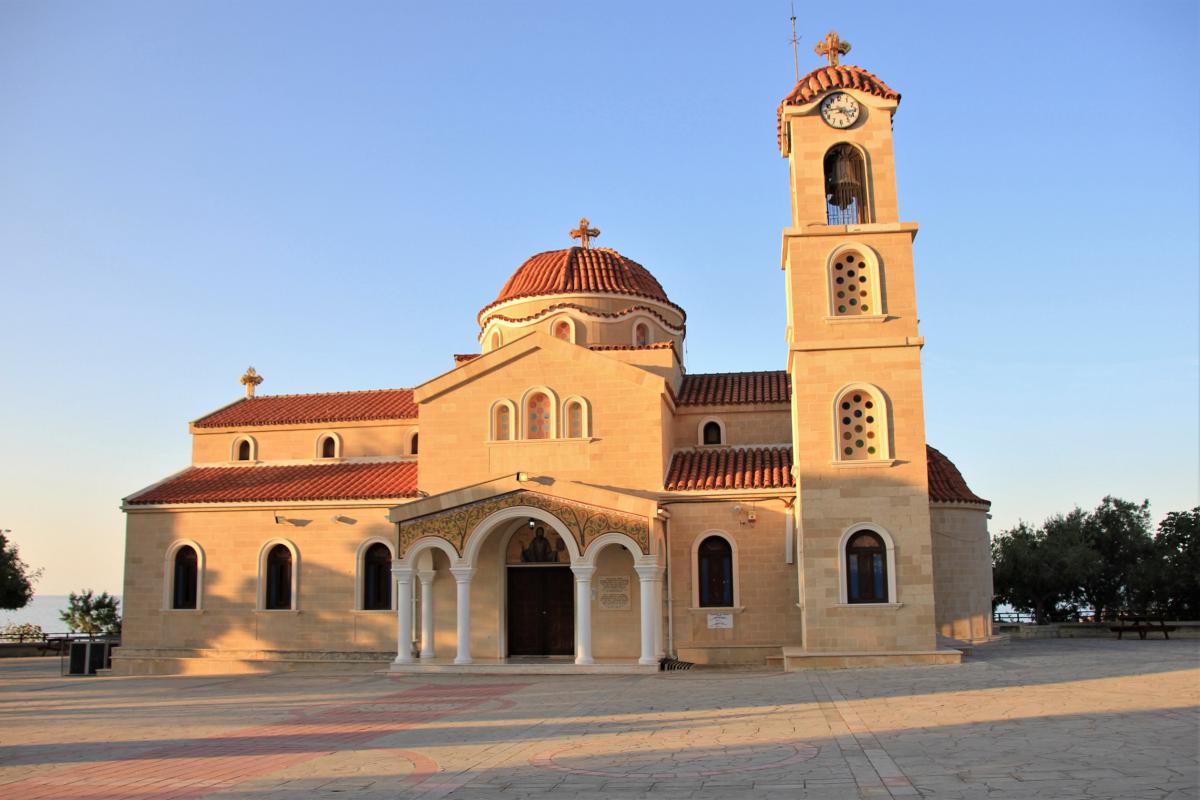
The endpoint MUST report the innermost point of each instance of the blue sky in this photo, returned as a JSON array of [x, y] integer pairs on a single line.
[[330, 191]]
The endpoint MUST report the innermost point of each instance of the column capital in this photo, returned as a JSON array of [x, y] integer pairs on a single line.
[[648, 572], [426, 575], [463, 574], [402, 572], [583, 572]]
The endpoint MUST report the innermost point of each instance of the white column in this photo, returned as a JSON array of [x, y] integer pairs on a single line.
[[462, 576], [403, 576], [646, 580], [426, 576], [583, 613], [660, 648]]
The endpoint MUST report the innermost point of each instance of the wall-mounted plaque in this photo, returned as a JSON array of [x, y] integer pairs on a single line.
[[612, 593], [720, 620]]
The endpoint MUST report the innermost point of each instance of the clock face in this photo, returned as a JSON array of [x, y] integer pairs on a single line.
[[840, 110]]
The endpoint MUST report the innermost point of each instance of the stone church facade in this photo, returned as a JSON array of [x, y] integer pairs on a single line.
[[572, 497]]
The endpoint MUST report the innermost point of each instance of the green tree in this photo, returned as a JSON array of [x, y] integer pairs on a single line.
[[16, 579], [93, 614], [1040, 570], [1173, 582], [1118, 533]]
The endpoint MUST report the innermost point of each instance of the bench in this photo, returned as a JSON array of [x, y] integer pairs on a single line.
[[1141, 625]]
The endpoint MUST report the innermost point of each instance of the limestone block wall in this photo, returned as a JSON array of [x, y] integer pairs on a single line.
[[765, 616], [297, 442], [231, 541], [744, 424], [962, 571]]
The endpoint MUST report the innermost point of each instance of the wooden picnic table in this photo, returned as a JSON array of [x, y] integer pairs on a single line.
[[1141, 624]]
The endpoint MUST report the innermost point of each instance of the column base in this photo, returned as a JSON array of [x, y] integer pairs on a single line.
[[647, 661], [584, 662], [461, 661]]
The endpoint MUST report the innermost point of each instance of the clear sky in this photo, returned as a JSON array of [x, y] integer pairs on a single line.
[[330, 191]]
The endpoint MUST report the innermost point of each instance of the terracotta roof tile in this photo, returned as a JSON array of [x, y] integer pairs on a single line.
[[292, 409], [361, 481], [579, 270], [735, 388], [651, 346], [946, 483], [462, 358], [731, 468], [823, 79]]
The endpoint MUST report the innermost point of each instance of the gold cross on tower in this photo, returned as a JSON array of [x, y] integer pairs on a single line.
[[831, 47], [250, 380], [584, 233]]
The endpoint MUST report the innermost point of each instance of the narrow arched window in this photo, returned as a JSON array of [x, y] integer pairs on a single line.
[[866, 569], [852, 285], [328, 447], [538, 417], [415, 444], [185, 578], [861, 426], [575, 419], [377, 578], [714, 572], [712, 433], [243, 450], [562, 330], [845, 186], [495, 339], [278, 591], [502, 423], [641, 334]]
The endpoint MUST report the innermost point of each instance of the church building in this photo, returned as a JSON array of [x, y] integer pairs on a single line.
[[572, 498]]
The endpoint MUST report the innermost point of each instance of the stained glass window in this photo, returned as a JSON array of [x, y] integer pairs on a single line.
[[575, 419], [859, 432], [503, 424], [562, 330], [537, 416], [853, 290]]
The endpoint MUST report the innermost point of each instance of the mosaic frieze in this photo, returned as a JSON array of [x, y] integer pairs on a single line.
[[585, 522]]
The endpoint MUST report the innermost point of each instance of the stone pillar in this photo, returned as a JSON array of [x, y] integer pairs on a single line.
[[660, 648], [647, 575], [403, 577], [462, 576], [426, 576], [583, 613]]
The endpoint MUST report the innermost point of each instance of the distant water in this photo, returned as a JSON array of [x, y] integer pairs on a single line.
[[42, 610]]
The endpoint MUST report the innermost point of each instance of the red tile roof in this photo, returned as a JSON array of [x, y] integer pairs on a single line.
[[823, 79], [735, 388], [946, 483], [731, 468], [462, 358], [651, 346], [292, 409], [579, 270], [354, 481]]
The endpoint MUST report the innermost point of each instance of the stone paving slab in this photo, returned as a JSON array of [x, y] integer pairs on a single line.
[[1089, 719]]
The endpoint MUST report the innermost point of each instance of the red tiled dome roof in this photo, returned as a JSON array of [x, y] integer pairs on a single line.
[[946, 483], [826, 78], [580, 270]]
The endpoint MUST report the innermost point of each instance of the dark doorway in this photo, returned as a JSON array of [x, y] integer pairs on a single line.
[[541, 611]]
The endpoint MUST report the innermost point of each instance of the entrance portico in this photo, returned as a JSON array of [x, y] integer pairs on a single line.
[[536, 573]]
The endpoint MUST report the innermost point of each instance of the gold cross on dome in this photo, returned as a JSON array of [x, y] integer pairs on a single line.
[[250, 380], [584, 233], [831, 47]]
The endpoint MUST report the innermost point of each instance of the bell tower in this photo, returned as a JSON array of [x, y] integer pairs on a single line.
[[865, 562]]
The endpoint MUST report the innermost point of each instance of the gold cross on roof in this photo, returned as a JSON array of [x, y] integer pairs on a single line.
[[584, 233], [250, 380], [831, 47]]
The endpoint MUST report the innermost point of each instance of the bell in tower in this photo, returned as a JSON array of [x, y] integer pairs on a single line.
[[845, 186]]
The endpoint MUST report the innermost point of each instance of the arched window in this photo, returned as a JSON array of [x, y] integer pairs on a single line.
[[539, 417], [277, 593], [641, 334], [244, 449], [185, 578], [562, 330], [861, 429], [574, 419], [713, 433], [501, 422], [328, 447], [714, 572], [377, 578], [853, 284], [845, 186], [414, 444], [495, 339], [866, 569]]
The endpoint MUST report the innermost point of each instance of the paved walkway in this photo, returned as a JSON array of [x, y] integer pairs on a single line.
[[1048, 719]]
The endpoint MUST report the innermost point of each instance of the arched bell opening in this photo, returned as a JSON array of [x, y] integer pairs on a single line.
[[845, 186]]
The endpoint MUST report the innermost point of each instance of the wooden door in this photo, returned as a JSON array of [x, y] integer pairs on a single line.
[[541, 611]]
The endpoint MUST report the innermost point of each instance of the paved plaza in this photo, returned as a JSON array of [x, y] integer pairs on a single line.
[[1054, 719]]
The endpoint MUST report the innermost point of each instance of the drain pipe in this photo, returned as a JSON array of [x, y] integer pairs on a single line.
[[666, 521]]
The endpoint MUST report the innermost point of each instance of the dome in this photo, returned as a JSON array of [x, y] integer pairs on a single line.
[[946, 483], [580, 270], [824, 79]]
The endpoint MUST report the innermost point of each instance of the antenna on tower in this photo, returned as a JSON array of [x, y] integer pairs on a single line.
[[795, 43]]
